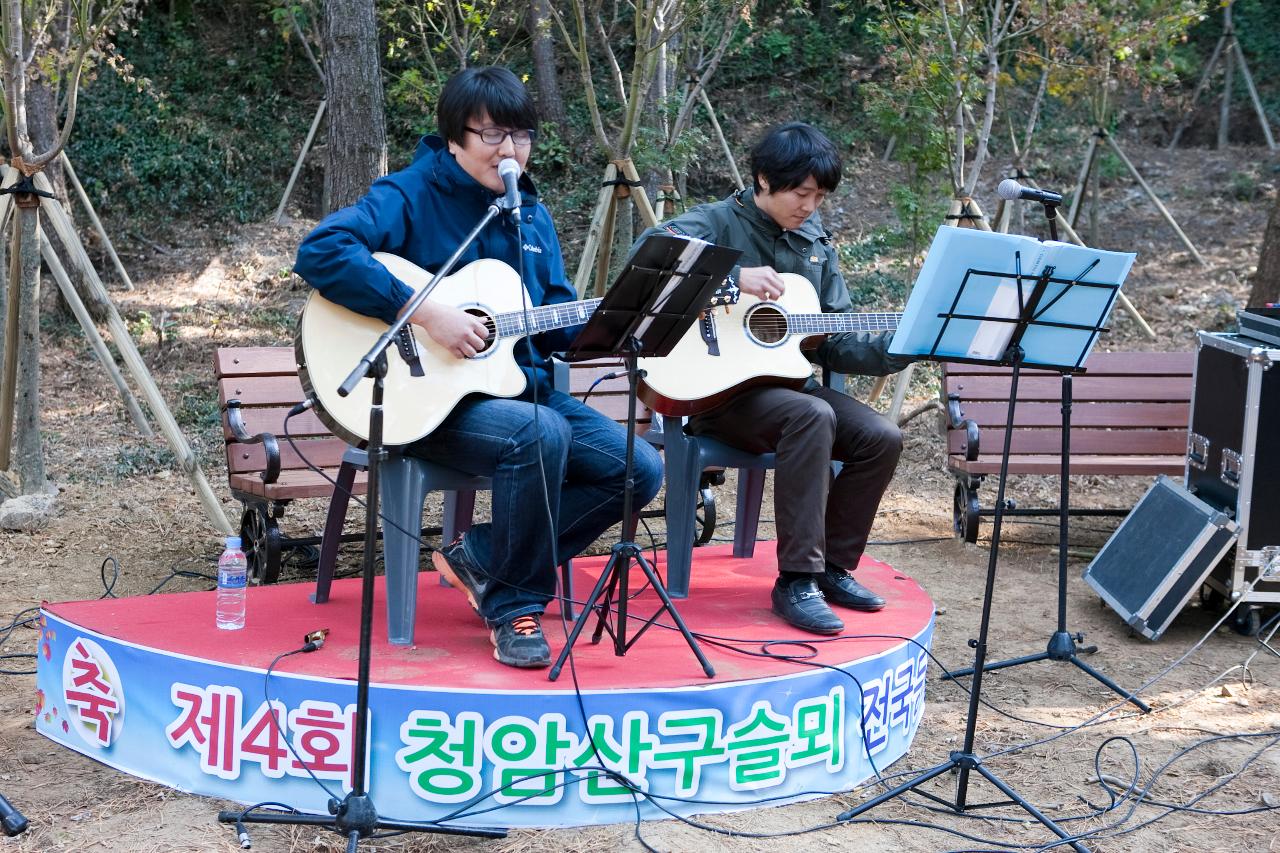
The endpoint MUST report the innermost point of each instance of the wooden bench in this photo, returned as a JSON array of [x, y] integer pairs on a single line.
[[1129, 416], [257, 386]]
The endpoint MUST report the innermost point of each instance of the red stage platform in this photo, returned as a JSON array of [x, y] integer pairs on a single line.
[[191, 686]]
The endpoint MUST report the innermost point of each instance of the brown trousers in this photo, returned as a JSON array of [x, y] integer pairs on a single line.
[[819, 518]]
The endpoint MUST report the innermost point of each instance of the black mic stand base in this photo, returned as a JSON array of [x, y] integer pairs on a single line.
[[965, 762], [12, 820]]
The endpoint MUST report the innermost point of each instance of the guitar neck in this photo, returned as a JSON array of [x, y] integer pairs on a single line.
[[825, 324], [544, 318]]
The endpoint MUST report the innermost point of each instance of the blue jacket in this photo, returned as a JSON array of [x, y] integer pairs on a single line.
[[422, 213]]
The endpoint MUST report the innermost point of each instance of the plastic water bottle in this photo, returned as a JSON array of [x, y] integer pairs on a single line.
[[233, 578]]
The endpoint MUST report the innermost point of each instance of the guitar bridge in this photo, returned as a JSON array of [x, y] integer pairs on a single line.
[[407, 346], [707, 328]]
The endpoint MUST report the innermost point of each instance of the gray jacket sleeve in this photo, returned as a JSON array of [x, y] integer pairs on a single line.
[[860, 353]]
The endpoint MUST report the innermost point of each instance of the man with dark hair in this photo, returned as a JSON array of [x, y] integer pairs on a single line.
[[556, 464], [822, 522]]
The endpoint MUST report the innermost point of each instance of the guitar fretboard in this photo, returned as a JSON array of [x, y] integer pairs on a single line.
[[818, 324], [544, 318]]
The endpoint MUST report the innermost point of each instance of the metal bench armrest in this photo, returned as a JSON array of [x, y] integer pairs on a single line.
[[956, 420], [270, 446]]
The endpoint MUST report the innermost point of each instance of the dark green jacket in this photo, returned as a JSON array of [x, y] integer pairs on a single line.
[[807, 251]]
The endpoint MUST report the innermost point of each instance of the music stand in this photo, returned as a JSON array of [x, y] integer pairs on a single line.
[[667, 283], [1032, 322]]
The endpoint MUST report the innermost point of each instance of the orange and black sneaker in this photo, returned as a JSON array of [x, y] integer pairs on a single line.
[[519, 642]]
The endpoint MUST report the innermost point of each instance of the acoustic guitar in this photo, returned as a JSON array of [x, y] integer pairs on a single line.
[[750, 343], [424, 380]]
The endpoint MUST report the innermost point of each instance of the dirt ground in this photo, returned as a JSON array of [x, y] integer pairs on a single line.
[[1056, 728]]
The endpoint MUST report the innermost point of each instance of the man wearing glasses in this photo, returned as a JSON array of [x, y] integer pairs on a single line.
[[422, 213]]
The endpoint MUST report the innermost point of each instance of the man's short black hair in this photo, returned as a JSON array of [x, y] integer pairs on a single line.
[[490, 88], [790, 153]]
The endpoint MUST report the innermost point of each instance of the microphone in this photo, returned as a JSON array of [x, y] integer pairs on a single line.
[[509, 171], [1011, 190]]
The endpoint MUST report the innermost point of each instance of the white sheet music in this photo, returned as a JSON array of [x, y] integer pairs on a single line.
[[688, 257], [956, 251]]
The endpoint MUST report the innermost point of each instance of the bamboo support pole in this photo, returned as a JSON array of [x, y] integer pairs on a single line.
[[724, 143], [1247, 76], [1195, 93], [1077, 195], [93, 218], [137, 367], [95, 337], [900, 392], [9, 379], [604, 255], [647, 216], [1168, 217], [302, 155], [604, 207], [1228, 82], [1125, 304]]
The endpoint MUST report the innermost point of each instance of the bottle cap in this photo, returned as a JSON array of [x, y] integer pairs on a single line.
[[233, 541]]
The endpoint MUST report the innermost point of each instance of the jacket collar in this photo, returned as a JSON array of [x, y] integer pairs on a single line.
[[809, 231], [443, 170]]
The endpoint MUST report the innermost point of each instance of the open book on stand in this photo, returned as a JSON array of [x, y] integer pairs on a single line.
[[974, 283]]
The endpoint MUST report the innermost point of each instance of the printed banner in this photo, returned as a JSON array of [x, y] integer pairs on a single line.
[[478, 758]]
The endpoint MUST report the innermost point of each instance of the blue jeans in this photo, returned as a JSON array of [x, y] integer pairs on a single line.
[[583, 454]]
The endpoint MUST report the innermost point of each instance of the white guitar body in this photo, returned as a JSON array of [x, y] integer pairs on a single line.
[[331, 340], [690, 380]]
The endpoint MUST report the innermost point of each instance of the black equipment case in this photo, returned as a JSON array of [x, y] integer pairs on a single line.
[[1159, 556], [1233, 454]]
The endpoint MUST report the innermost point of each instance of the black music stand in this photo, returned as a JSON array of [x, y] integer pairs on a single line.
[[1032, 313], [655, 299]]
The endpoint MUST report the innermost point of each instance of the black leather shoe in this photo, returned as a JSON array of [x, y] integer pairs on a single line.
[[840, 588], [800, 604]]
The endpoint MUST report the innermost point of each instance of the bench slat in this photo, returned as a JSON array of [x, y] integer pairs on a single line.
[[261, 390], [271, 419], [994, 415], [296, 484], [1084, 388], [1084, 441], [322, 452], [1080, 464], [254, 361], [1100, 363]]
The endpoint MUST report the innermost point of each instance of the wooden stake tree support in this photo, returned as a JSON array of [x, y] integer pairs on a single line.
[[63, 227], [1090, 162], [1004, 217], [620, 181], [1229, 52]]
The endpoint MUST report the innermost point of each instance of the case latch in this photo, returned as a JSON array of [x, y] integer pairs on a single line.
[[1231, 468], [1197, 451]]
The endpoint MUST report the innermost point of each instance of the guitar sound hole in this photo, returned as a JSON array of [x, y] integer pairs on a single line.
[[767, 325], [490, 326]]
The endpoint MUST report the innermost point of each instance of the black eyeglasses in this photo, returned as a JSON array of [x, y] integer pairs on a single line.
[[496, 135]]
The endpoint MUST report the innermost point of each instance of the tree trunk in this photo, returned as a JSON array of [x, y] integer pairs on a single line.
[[1266, 281], [357, 147], [550, 104], [28, 455]]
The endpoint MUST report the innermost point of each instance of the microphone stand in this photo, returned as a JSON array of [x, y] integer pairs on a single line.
[[355, 816]]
